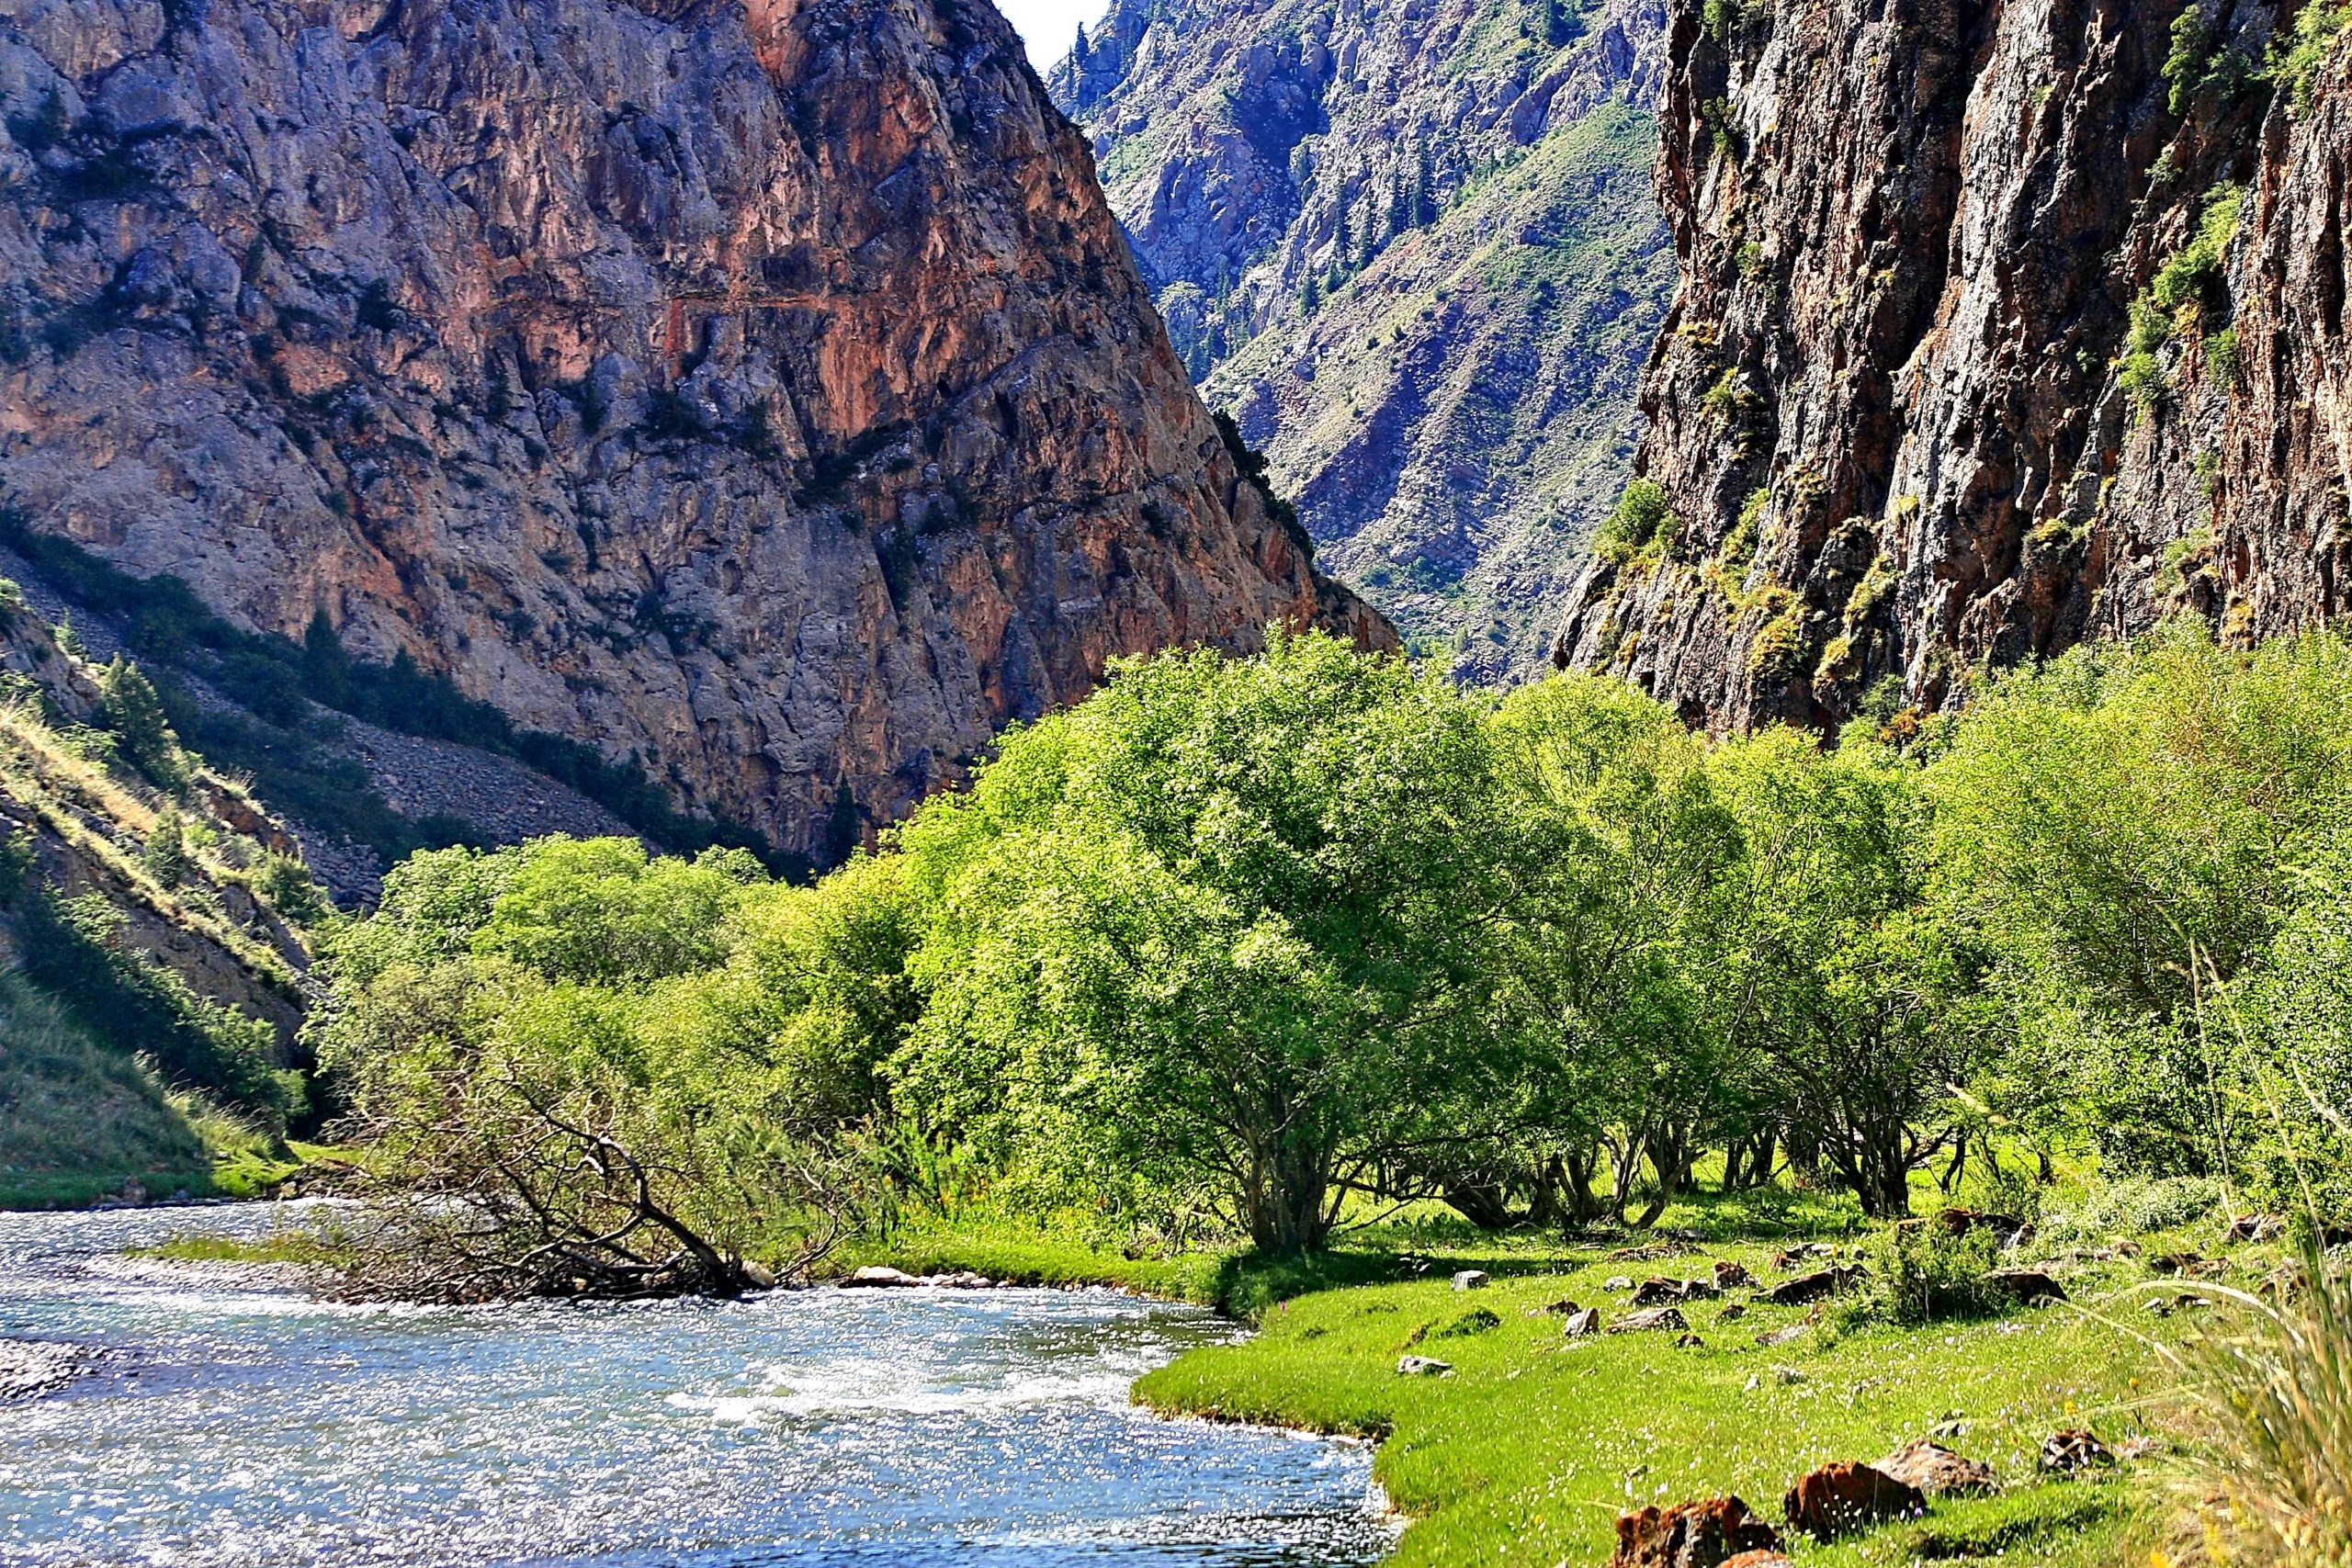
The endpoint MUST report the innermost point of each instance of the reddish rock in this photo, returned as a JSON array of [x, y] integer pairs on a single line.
[[1692, 1534], [1769, 1558], [1839, 1499], [1936, 1470]]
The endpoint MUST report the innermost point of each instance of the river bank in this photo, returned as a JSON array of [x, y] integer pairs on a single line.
[[1528, 1446]]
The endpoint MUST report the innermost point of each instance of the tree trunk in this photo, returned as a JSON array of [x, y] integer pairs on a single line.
[[1480, 1201], [1286, 1201]]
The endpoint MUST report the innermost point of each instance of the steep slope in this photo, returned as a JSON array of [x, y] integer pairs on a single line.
[[1412, 248], [1999, 328], [151, 938], [756, 390]]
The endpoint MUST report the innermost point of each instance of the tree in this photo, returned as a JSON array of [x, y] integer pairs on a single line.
[[2125, 830], [1226, 925], [1858, 997], [1611, 989], [129, 706]]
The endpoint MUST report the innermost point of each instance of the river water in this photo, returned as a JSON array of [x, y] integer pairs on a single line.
[[226, 1423]]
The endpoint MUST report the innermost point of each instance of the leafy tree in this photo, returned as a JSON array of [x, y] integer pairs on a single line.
[[599, 911], [1609, 983], [1225, 924], [285, 884], [2125, 830]]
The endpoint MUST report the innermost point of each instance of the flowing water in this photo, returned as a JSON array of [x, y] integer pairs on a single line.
[[229, 1423]]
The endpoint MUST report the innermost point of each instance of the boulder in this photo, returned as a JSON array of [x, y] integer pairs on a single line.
[[1470, 1279], [757, 1275], [874, 1277], [1583, 1324], [1423, 1367], [965, 1281], [1840, 1499], [1733, 1277], [1672, 1293], [1733, 1310], [1617, 1283], [1706, 1534], [1813, 1287], [2072, 1451], [1564, 1307], [1653, 1319], [1936, 1470], [2030, 1286]]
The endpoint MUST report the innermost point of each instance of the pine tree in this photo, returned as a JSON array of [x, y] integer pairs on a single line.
[[69, 640], [129, 706], [326, 669], [1310, 294], [1080, 51]]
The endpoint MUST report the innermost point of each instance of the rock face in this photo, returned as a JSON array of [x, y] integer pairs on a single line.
[[2000, 328], [1412, 249], [758, 390]]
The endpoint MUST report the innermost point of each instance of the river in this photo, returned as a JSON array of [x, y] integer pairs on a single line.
[[224, 1422]]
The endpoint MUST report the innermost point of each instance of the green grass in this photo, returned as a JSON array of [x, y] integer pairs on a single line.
[[304, 1248], [1528, 1451], [78, 1121]]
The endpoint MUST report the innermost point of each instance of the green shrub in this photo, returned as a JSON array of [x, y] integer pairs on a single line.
[[166, 852], [2296, 58], [129, 706], [1641, 516], [1927, 1273], [285, 884]]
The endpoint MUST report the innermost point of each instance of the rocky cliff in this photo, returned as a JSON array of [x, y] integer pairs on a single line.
[[1410, 245], [2000, 327], [758, 391]]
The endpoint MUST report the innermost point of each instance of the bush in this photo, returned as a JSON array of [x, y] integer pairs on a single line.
[[1641, 516], [285, 884], [1927, 1274], [2132, 1206], [129, 706]]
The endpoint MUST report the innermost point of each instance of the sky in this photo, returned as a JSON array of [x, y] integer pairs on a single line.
[[1048, 26]]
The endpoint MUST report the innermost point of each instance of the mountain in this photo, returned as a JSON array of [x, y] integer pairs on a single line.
[[737, 411], [1999, 328], [1411, 247]]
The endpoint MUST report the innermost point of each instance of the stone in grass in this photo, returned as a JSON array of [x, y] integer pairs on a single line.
[[1470, 1279], [2031, 1287], [1772, 1336], [1655, 1319], [1767, 1559], [1617, 1283], [1813, 1287], [2072, 1452], [1710, 1534], [1423, 1367], [1732, 1311], [1582, 1325], [1839, 1499], [1689, 1342], [1733, 1277], [1936, 1470]]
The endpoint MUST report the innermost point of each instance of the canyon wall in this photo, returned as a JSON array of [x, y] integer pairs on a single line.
[[759, 391], [2000, 327]]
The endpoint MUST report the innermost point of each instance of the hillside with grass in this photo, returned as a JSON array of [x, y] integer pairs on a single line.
[[154, 945], [1414, 254]]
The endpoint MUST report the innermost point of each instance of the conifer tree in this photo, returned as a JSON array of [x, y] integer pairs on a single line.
[[129, 706]]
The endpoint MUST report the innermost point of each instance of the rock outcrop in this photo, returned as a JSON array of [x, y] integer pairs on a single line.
[[2000, 328], [1412, 249], [758, 391]]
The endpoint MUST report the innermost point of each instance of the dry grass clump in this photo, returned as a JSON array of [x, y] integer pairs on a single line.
[[2271, 1488]]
